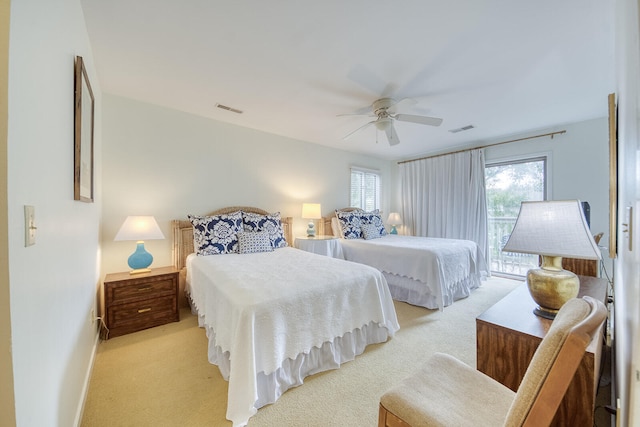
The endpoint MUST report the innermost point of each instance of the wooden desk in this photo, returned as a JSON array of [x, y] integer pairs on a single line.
[[508, 335]]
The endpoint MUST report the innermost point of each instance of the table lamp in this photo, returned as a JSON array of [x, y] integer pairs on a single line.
[[393, 220], [552, 229], [311, 211], [139, 228]]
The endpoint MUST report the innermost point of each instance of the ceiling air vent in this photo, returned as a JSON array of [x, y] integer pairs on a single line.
[[463, 128], [233, 110]]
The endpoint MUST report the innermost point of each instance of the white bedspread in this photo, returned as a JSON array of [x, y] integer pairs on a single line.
[[267, 308], [442, 265]]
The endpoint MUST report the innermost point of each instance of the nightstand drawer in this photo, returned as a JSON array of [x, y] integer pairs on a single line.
[[134, 290], [147, 313], [136, 302]]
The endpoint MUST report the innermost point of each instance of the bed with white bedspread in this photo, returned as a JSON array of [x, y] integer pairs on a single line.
[[274, 317], [424, 271]]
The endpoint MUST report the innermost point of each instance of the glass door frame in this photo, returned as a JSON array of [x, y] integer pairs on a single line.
[[532, 157]]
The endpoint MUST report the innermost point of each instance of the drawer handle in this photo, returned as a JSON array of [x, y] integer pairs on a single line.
[[144, 310], [144, 288]]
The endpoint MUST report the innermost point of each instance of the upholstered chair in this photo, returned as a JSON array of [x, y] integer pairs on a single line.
[[447, 392]]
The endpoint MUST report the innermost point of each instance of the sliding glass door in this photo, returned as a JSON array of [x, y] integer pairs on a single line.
[[508, 184]]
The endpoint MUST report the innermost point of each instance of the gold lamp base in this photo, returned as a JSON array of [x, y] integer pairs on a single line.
[[551, 286]]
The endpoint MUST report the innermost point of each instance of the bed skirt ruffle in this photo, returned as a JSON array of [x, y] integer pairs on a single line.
[[415, 292], [293, 371]]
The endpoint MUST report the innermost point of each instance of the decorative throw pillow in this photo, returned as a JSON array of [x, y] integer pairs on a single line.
[[271, 223], [370, 231], [217, 234], [350, 224], [373, 218], [254, 241]]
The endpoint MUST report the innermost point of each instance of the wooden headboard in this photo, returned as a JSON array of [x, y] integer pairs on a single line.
[[326, 221], [183, 232]]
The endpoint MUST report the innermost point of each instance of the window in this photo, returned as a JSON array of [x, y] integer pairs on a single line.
[[508, 184], [365, 189]]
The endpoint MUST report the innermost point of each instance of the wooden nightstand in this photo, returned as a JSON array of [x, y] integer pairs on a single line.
[[139, 301]]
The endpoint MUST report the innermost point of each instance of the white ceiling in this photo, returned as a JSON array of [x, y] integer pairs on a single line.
[[292, 66]]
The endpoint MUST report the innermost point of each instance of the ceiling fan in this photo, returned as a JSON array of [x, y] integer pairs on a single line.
[[384, 110]]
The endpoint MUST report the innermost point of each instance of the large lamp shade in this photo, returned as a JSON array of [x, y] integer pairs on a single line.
[[552, 229]]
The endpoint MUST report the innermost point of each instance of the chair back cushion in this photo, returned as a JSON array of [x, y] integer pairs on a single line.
[[571, 313]]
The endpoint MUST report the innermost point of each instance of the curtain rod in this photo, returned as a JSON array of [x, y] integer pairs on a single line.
[[551, 134]]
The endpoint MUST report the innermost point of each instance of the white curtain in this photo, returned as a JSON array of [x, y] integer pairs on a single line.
[[445, 197]]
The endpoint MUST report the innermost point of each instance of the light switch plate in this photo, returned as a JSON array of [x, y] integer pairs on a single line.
[[29, 225]]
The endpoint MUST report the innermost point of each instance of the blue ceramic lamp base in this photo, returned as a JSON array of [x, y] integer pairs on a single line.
[[311, 230], [140, 260], [393, 230]]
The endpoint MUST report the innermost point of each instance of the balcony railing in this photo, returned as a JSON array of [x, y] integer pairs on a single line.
[[507, 262]]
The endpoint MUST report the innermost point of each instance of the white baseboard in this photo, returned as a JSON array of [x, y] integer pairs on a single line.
[[87, 379]]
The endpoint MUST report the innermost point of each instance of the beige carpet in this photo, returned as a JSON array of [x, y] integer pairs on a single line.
[[161, 376]]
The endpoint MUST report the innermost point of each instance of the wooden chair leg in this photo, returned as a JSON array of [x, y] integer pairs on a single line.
[[389, 419], [382, 416]]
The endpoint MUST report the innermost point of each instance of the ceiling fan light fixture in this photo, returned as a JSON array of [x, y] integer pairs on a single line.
[[383, 124]]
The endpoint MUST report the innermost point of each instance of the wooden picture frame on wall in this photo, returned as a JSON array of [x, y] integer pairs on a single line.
[[613, 177], [83, 135]]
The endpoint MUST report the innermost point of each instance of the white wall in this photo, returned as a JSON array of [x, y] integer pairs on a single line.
[[627, 273], [578, 167], [52, 284], [170, 164]]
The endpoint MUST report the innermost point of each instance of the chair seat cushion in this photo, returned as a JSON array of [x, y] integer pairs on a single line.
[[432, 396]]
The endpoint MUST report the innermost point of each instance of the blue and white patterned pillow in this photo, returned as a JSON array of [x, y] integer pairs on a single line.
[[217, 234], [250, 242], [270, 223], [350, 224], [373, 218], [370, 231]]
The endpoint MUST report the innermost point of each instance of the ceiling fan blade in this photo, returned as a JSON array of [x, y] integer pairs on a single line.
[[402, 103], [423, 120], [364, 111], [359, 129], [392, 136]]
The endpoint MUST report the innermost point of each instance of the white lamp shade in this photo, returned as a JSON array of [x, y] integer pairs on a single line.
[[553, 228], [394, 219], [311, 211], [139, 228]]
